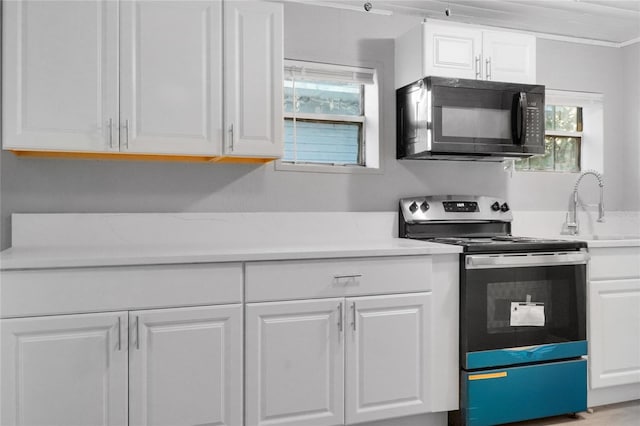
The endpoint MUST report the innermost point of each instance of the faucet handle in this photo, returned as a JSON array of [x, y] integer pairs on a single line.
[[572, 227]]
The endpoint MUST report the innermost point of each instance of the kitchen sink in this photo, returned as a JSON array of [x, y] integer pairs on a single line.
[[596, 237]]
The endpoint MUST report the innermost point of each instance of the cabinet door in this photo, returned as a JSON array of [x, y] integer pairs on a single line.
[[59, 75], [186, 366], [614, 332], [64, 370], [294, 356], [253, 74], [387, 370], [171, 77], [511, 57], [452, 51]]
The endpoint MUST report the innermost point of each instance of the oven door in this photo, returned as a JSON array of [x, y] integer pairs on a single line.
[[522, 307]]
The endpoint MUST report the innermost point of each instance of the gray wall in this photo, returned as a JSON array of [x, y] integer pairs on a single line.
[[613, 72], [629, 156], [323, 34]]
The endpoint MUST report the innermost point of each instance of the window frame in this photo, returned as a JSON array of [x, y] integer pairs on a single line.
[[369, 149], [591, 144]]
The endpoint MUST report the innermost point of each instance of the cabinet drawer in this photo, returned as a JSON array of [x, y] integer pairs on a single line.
[[64, 291], [303, 279], [614, 262]]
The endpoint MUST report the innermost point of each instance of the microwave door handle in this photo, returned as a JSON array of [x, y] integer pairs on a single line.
[[518, 117]]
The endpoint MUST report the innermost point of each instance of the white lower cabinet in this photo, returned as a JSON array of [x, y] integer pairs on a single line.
[[185, 366], [295, 363], [387, 356], [615, 332], [337, 361], [178, 366], [67, 370], [614, 325]]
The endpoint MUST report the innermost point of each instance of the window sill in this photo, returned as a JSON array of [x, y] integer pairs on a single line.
[[324, 168]]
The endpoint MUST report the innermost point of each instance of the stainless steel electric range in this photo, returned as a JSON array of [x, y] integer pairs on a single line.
[[522, 310]]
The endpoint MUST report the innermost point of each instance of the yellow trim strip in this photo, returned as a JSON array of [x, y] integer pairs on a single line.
[[488, 376], [140, 157]]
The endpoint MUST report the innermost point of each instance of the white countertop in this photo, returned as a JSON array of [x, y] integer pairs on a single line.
[[605, 241], [95, 240], [88, 256]]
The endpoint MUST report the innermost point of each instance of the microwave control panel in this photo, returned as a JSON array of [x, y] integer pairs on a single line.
[[534, 120], [535, 125]]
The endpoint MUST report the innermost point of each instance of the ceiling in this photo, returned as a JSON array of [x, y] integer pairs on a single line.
[[609, 21]]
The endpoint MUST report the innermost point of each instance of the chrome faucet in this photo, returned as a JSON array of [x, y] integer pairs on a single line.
[[572, 215]]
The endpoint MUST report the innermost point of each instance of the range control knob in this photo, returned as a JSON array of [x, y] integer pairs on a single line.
[[495, 206], [504, 207], [413, 207], [424, 206]]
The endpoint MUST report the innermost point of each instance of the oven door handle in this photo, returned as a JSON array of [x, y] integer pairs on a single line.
[[516, 260]]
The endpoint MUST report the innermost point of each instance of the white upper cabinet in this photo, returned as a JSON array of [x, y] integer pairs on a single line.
[[144, 77], [253, 70], [60, 62], [462, 51], [509, 56], [452, 53], [171, 76]]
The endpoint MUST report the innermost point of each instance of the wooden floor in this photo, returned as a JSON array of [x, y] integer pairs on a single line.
[[623, 414]]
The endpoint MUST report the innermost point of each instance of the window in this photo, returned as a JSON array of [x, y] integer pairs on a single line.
[[330, 117], [563, 137], [570, 145]]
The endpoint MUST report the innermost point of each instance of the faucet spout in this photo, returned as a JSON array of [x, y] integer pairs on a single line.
[[572, 216]]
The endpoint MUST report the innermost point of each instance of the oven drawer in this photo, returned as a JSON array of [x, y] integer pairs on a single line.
[[491, 397], [305, 279]]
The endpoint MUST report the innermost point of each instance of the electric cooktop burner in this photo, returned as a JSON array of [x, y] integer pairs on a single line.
[[492, 240], [508, 243], [477, 223]]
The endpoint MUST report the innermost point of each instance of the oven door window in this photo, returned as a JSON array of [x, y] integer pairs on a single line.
[[525, 306]]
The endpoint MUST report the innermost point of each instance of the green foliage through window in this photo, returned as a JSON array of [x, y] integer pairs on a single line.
[[563, 136]]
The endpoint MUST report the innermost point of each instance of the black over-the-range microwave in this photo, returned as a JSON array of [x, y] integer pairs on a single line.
[[451, 118]]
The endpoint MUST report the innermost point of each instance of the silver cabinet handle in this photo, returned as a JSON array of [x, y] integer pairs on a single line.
[[231, 137], [340, 326], [110, 132], [353, 323], [119, 334], [137, 331], [337, 277], [126, 134], [488, 68], [478, 67], [345, 280]]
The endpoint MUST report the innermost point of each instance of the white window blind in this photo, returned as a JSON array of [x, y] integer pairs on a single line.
[[298, 70], [325, 113]]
